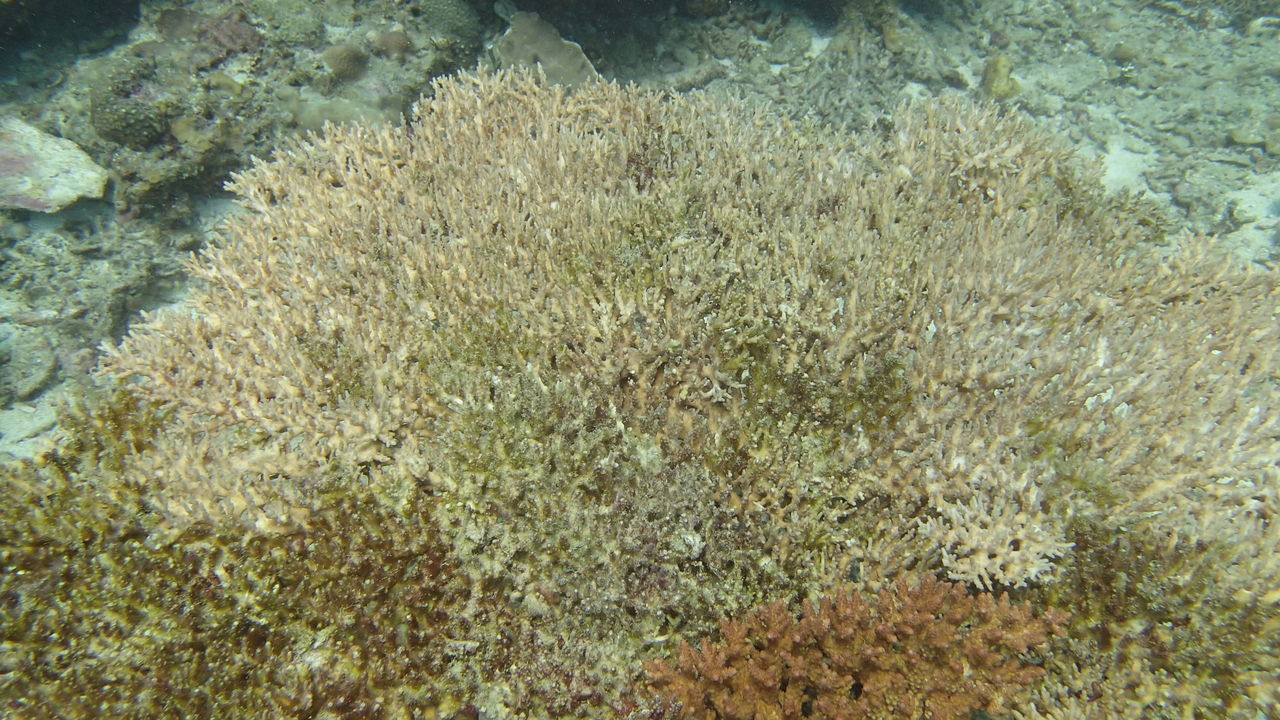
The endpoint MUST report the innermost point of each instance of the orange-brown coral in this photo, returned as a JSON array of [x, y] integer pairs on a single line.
[[928, 650]]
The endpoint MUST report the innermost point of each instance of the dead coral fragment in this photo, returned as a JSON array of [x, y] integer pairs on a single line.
[[930, 650]]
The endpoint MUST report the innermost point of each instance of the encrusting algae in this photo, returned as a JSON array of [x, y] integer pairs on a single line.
[[476, 416]]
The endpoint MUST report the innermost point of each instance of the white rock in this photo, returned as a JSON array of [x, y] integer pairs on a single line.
[[41, 172]]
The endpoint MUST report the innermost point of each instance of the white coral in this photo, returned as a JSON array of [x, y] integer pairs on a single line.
[[998, 535]]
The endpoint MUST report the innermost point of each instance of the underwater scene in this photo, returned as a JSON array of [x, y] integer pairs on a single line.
[[640, 359]]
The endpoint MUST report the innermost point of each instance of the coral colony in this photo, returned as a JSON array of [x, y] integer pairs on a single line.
[[606, 402]]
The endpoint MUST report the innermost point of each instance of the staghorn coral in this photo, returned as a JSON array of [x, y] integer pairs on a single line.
[[623, 363], [923, 650], [107, 612]]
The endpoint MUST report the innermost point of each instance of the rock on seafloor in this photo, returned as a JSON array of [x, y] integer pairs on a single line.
[[41, 172]]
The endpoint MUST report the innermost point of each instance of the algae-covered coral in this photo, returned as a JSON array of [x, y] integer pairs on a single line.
[[471, 417]]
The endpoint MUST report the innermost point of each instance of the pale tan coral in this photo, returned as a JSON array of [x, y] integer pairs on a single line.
[[665, 357], [994, 533]]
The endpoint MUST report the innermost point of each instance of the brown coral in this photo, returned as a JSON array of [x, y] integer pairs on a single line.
[[928, 650]]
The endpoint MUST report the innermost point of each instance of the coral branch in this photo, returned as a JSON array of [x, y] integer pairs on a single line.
[[928, 650]]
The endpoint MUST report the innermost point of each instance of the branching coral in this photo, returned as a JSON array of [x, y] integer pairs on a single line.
[[929, 650], [621, 360]]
